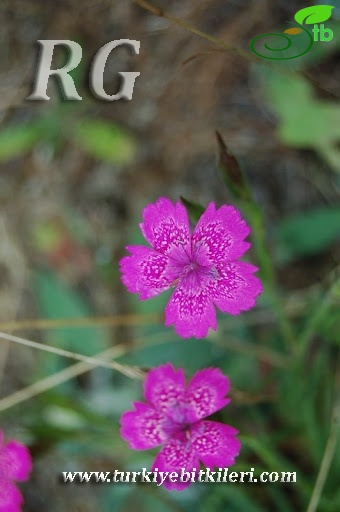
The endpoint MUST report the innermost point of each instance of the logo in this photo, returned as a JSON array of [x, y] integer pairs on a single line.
[[96, 75], [280, 46]]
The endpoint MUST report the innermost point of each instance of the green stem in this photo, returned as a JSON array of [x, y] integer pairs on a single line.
[[315, 318], [268, 274], [329, 452], [158, 11]]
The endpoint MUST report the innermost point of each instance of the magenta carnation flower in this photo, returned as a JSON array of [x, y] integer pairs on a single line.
[[203, 267], [15, 465], [174, 417]]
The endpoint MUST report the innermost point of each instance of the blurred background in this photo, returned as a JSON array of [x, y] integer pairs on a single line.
[[74, 177]]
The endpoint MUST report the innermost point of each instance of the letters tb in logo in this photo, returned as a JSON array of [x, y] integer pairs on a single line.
[[320, 33]]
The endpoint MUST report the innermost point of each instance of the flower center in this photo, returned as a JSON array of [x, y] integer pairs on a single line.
[[176, 424], [198, 274], [192, 268]]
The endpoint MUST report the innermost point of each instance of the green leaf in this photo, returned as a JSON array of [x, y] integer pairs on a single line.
[[178, 353], [308, 233], [15, 141], [116, 498], [106, 141], [56, 300], [84, 410], [195, 210], [330, 327], [237, 499], [314, 14], [304, 120]]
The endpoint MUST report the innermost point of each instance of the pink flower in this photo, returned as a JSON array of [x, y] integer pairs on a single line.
[[15, 465], [174, 417], [203, 266]]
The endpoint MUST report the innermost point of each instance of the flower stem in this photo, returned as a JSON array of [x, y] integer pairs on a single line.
[[158, 11], [329, 452], [267, 270], [322, 307], [129, 371], [58, 378], [99, 321]]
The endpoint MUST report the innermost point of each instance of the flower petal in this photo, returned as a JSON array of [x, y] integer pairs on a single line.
[[206, 394], [166, 226], [176, 455], [15, 461], [164, 386], [10, 497], [215, 443], [237, 288], [221, 232], [142, 428], [145, 272], [192, 312]]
